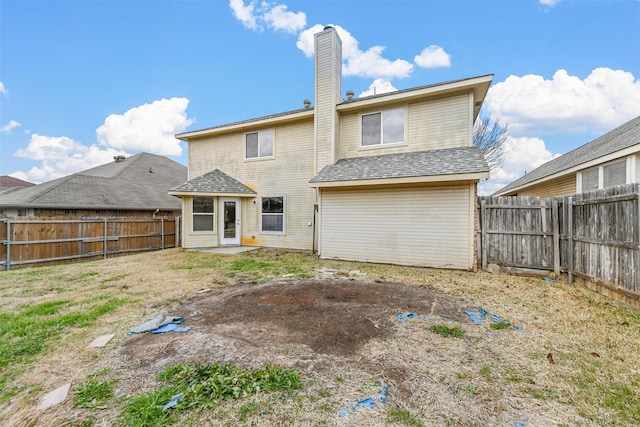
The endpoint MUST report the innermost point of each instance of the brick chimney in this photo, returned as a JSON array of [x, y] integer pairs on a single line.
[[328, 89]]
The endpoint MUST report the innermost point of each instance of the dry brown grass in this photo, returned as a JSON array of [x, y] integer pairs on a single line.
[[487, 377]]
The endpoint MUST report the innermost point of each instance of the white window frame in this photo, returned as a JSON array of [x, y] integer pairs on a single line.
[[259, 133], [382, 143], [212, 214], [284, 215], [600, 169]]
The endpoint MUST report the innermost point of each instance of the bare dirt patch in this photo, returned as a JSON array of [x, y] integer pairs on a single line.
[[299, 323]]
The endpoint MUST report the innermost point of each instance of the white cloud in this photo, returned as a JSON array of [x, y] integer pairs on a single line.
[[379, 86], [432, 57], [279, 18], [565, 104], [275, 16], [549, 3], [150, 128], [244, 13], [369, 63], [10, 126], [3, 90], [48, 148], [522, 154]]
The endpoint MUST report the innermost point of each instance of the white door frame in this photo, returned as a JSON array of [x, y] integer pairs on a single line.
[[230, 228]]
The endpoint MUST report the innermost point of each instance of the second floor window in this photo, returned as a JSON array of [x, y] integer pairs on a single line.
[[384, 127], [259, 144]]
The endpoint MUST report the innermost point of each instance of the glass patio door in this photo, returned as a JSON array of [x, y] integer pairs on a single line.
[[229, 218]]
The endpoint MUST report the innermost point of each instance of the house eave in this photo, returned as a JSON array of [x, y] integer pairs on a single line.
[[260, 122], [209, 194], [453, 178], [575, 169], [479, 86]]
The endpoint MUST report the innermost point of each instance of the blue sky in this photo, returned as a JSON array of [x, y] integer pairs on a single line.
[[82, 81]]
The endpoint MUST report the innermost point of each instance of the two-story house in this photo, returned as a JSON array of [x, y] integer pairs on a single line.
[[389, 178]]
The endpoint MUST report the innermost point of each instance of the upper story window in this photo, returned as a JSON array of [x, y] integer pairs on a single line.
[[259, 144], [202, 211], [384, 127], [604, 176]]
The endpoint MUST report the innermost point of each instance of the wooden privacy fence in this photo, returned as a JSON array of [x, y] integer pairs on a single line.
[[31, 241], [593, 237]]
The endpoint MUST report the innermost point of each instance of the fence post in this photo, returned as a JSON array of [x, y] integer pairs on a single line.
[[556, 236], [105, 239], [162, 232], [570, 238], [8, 267], [483, 233]]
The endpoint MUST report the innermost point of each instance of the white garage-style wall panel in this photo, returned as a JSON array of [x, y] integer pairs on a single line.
[[428, 226]]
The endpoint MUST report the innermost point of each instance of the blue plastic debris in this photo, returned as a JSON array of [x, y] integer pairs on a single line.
[[549, 279], [171, 327], [517, 424], [402, 317], [173, 402], [478, 317], [368, 403]]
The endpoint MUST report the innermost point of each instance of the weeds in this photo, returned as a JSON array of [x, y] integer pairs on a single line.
[[402, 416], [205, 386], [447, 331]]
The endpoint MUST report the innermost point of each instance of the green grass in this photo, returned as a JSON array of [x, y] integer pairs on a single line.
[[500, 325], [31, 329], [448, 331], [205, 386], [94, 394], [402, 416]]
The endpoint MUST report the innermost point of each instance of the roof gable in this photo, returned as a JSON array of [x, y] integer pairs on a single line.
[[214, 182]]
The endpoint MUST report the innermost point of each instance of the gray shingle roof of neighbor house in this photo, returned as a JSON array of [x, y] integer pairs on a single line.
[[139, 182], [215, 181], [618, 139], [449, 161]]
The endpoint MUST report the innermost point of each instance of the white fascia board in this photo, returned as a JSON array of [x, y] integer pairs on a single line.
[[406, 180], [203, 194], [238, 126], [478, 85]]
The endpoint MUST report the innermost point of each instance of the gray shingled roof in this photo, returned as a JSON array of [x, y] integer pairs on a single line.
[[618, 139], [139, 182], [215, 181], [450, 161]]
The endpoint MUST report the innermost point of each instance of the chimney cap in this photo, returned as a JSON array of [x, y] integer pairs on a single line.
[[307, 104], [350, 94]]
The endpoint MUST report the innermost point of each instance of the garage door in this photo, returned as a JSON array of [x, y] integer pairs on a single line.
[[429, 227]]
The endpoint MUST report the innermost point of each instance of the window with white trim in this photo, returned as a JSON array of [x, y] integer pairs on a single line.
[[202, 213], [272, 215], [384, 127], [604, 176], [259, 144]]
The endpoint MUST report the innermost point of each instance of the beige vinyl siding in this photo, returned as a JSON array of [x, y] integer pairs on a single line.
[[328, 58], [287, 174], [562, 186], [199, 239], [430, 125], [428, 226]]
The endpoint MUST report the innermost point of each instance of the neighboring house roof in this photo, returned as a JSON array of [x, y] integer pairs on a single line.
[[432, 163], [214, 182], [7, 181], [618, 139], [138, 182]]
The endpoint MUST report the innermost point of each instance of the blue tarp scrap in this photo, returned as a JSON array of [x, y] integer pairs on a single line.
[[173, 402], [368, 403], [478, 317], [156, 323], [171, 327], [407, 316]]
